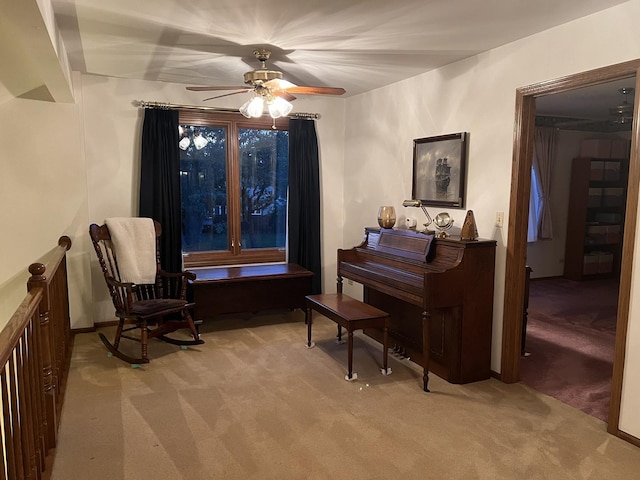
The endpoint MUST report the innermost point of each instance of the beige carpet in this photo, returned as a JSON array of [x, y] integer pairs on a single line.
[[253, 402]]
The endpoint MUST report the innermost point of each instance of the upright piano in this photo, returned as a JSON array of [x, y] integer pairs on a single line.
[[438, 292]]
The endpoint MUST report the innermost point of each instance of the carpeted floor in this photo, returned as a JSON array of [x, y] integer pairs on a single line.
[[570, 339], [254, 403]]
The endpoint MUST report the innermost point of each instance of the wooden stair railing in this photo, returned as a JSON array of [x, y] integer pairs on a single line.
[[35, 350]]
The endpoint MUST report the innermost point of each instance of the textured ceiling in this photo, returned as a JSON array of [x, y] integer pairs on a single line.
[[357, 45]]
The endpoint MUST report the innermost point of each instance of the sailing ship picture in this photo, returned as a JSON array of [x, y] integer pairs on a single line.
[[439, 165], [443, 178]]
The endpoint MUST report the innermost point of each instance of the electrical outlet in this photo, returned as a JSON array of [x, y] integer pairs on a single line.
[[499, 219]]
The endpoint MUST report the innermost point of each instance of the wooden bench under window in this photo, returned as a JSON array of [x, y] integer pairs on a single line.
[[249, 289]]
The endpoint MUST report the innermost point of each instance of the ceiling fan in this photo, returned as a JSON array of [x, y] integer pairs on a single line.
[[269, 87]]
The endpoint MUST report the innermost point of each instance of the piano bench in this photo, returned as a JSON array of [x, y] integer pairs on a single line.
[[353, 315]]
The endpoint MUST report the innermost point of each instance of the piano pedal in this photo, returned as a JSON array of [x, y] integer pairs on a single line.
[[386, 372]]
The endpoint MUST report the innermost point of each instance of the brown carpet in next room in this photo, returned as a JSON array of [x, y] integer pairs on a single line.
[[570, 338], [254, 403]]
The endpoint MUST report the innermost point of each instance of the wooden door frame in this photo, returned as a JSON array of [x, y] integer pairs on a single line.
[[519, 214]]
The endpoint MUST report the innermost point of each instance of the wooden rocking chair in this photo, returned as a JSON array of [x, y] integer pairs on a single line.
[[161, 305]]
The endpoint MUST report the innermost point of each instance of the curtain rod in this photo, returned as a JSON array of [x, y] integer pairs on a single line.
[[176, 106]]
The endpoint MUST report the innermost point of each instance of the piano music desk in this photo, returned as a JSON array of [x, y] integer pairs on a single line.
[[353, 315]]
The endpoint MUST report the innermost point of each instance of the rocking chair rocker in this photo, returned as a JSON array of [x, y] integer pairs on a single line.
[[161, 304]]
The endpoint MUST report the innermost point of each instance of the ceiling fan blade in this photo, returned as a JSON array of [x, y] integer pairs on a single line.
[[284, 94], [279, 84], [316, 90], [227, 94], [207, 89]]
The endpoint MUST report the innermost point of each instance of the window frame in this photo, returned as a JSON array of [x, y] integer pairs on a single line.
[[235, 255]]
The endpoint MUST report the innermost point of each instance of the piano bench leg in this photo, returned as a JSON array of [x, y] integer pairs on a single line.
[[350, 376], [308, 318]]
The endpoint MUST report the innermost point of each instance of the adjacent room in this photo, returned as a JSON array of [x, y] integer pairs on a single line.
[[575, 262], [319, 239]]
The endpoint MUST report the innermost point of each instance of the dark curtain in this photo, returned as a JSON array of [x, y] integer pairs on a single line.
[[160, 182], [304, 199]]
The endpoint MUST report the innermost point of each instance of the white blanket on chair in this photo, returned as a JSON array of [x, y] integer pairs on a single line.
[[134, 242]]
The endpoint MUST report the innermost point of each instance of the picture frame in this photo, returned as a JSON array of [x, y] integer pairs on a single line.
[[439, 170]]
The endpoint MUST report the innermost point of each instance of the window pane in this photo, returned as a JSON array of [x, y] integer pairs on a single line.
[[204, 188], [264, 172]]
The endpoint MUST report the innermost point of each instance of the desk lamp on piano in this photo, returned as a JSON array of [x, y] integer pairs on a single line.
[[418, 203], [437, 291]]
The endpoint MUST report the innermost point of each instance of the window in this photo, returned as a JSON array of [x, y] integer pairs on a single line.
[[535, 206], [234, 179]]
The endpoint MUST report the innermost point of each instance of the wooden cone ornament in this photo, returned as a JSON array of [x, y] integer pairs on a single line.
[[469, 230]]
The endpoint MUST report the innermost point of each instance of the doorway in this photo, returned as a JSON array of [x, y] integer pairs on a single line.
[[518, 222], [572, 308]]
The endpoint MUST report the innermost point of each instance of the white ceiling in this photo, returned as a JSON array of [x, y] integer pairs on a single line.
[[589, 102], [359, 45]]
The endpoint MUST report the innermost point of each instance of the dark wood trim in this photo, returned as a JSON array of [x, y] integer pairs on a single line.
[[624, 295], [110, 323], [517, 236], [517, 228], [629, 438], [76, 331]]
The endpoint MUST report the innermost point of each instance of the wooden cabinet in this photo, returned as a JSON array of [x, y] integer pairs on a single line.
[[595, 218]]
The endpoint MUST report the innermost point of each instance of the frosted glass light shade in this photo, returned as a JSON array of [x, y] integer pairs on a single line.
[[200, 142], [279, 107], [184, 143], [252, 108]]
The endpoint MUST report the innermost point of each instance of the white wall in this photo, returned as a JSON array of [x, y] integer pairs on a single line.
[[112, 127], [43, 195], [477, 95]]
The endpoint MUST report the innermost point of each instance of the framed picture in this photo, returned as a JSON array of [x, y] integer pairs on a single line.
[[439, 165]]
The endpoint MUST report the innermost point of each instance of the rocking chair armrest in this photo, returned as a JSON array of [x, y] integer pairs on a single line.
[[128, 286], [186, 274]]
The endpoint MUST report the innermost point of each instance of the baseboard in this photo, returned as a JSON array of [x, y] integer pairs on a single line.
[[628, 438], [111, 323], [74, 331]]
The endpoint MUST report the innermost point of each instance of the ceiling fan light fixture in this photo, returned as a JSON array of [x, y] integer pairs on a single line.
[[252, 108], [184, 143], [279, 107], [625, 109], [199, 141]]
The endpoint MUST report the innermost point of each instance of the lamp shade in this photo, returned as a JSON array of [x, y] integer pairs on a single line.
[[279, 107], [200, 142], [253, 107], [184, 143]]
